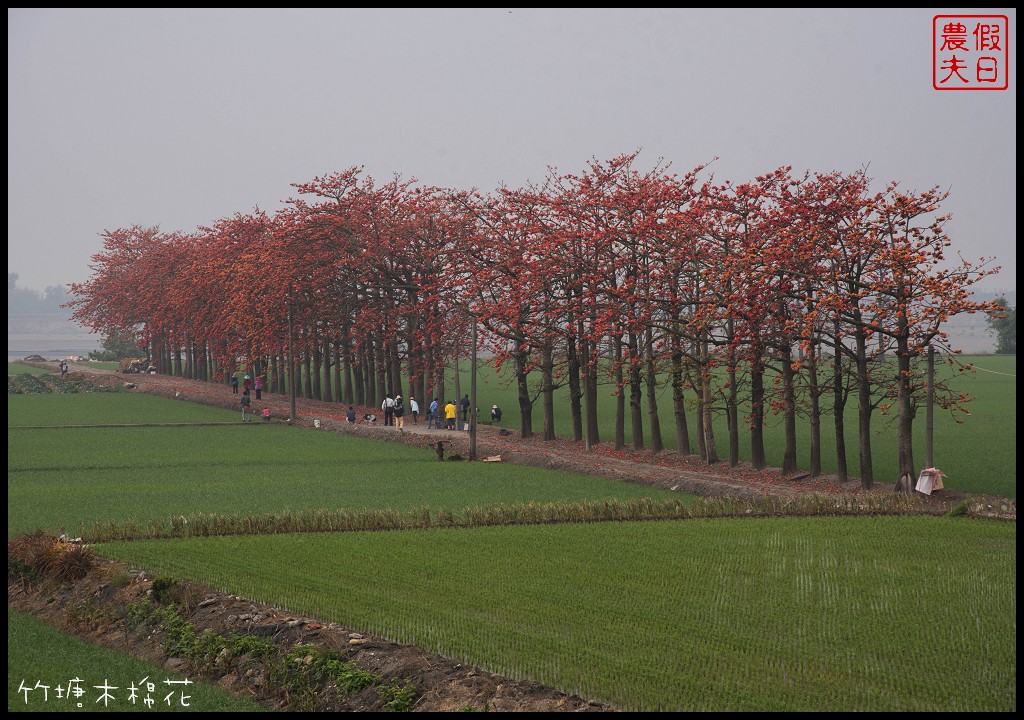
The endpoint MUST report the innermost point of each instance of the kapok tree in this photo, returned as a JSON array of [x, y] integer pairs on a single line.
[[914, 291]]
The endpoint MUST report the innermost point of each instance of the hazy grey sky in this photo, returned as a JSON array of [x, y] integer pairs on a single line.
[[178, 118]]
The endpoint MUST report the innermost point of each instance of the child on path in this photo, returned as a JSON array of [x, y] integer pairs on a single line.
[[246, 407]]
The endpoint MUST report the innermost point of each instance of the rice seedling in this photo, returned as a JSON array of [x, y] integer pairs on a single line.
[[792, 614]]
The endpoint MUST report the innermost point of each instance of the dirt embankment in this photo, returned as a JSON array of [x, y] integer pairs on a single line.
[[103, 608]]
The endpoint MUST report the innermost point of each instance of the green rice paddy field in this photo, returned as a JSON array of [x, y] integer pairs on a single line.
[[763, 614], [66, 478], [819, 614]]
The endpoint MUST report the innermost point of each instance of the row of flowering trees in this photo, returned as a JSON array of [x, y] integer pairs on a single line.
[[789, 295]]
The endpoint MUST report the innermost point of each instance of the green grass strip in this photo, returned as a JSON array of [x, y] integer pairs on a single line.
[[40, 655], [14, 368], [607, 510]]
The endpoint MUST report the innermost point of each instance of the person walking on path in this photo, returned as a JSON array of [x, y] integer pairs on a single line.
[[449, 415], [388, 406], [246, 407], [258, 387], [247, 383], [414, 408], [63, 368], [433, 421], [465, 409], [399, 413], [234, 384]]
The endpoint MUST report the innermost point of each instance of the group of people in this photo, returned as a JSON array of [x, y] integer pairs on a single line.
[[451, 412], [394, 409], [247, 411], [434, 415], [249, 386]]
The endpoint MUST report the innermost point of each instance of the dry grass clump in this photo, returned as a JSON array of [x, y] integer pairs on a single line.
[[612, 510], [41, 555]]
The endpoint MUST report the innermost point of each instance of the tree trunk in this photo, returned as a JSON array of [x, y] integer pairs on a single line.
[[683, 446], [548, 390], [709, 431], [789, 464], [326, 355], [316, 367], [636, 418], [839, 407], [188, 372], [178, 372], [343, 366], [590, 395], [620, 397], [757, 454], [905, 410], [657, 445], [732, 414], [379, 373], [394, 368], [307, 371], [867, 475], [711, 451], [525, 406], [812, 373], [574, 389]]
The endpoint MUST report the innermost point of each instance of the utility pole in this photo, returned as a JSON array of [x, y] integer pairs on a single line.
[[929, 435]]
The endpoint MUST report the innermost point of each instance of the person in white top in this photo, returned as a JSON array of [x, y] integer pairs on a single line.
[[388, 406], [414, 408]]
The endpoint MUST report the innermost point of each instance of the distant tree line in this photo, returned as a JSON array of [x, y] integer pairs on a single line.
[[1004, 324], [22, 301], [117, 346]]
